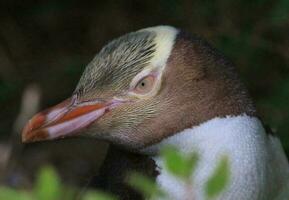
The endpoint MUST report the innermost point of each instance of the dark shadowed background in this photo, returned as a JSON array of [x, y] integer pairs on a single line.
[[45, 45]]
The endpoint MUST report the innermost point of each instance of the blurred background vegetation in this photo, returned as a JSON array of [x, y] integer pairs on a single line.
[[47, 44]]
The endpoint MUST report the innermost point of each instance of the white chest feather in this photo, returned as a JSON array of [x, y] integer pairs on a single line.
[[258, 166]]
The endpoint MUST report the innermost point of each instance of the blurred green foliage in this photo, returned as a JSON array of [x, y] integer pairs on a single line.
[[220, 179], [11, 194], [98, 195], [182, 166], [179, 165], [49, 187], [143, 184]]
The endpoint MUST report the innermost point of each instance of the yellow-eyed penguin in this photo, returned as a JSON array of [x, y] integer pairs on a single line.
[[160, 86]]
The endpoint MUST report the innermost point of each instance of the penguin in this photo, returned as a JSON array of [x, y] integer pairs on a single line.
[[161, 86]]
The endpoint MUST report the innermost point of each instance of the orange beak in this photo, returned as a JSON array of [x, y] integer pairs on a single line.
[[65, 119]]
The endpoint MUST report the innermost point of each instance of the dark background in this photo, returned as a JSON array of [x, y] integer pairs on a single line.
[[49, 43]]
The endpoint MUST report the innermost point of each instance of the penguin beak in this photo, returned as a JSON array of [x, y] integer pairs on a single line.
[[65, 119]]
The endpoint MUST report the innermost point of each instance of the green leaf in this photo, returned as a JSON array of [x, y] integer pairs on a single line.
[[11, 194], [219, 180], [177, 164], [98, 195], [192, 161], [144, 185], [48, 185]]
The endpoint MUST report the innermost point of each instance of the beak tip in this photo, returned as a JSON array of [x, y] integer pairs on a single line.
[[29, 135], [24, 139], [32, 131], [25, 133]]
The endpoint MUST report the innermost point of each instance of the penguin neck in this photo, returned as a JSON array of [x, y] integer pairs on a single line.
[[213, 134], [240, 138]]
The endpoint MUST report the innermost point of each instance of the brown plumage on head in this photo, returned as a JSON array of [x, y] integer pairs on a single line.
[[185, 73]]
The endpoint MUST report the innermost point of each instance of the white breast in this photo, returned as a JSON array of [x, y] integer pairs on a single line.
[[258, 164]]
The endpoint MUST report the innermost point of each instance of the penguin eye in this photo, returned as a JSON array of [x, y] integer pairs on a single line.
[[145, 85]]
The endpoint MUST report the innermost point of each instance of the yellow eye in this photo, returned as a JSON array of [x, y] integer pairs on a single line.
[[145, 85]]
